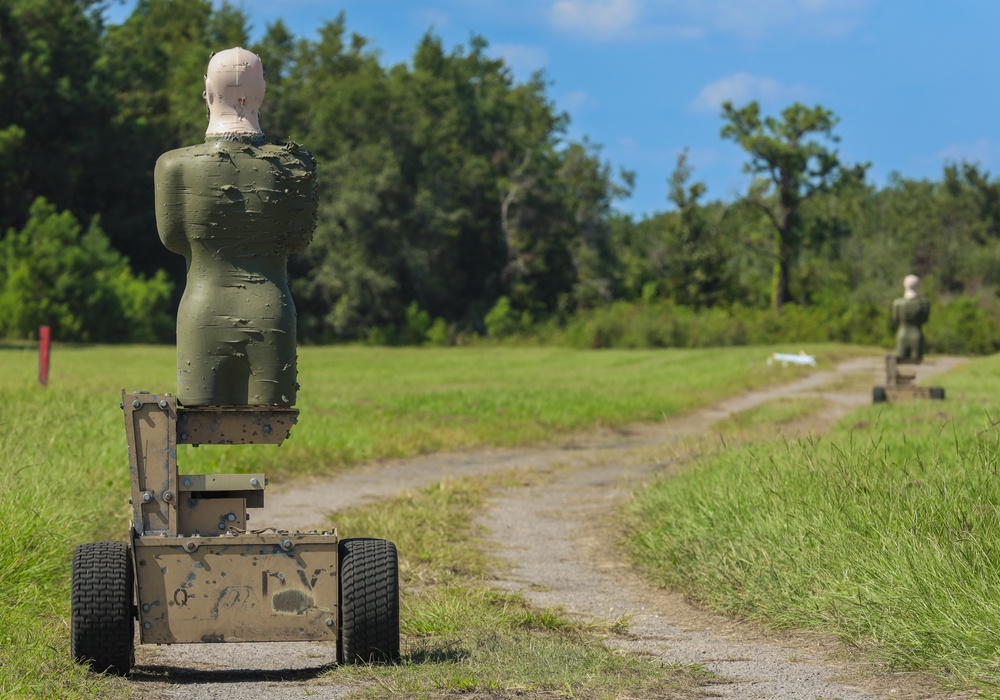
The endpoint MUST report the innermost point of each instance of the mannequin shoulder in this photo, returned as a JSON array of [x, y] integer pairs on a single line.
[[290, 152], [174, 161]]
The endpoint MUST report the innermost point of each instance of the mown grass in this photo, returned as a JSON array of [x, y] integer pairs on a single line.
[[63, 462], [461, 635], [885, 533], [395, 403], [364, 403]]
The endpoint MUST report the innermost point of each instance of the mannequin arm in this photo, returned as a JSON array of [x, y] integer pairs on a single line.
[[168, 178]]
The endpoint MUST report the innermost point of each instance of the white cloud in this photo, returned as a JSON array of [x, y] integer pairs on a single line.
[[431, 18], [755, 19], [702, 157], [580, 100], [740, 88], [983, 151], [652, 20], [523, 59], [602, 19]]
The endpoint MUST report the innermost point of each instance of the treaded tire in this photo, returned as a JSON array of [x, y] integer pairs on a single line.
[[937, 392], [369, 602], [878, 394], [102, 620]]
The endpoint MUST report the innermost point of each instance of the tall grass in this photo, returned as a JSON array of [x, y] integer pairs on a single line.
[[886, 533], [63, 480], [63, 462]]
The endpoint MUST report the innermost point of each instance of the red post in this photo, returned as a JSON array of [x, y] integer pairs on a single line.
[[44, 343]]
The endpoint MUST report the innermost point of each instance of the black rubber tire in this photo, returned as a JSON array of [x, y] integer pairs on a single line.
[[102, 617], [937, 392], [878, 394], [369, 602]]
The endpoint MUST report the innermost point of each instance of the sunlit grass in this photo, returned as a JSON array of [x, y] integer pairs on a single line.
[[885, 532], [64, 469]]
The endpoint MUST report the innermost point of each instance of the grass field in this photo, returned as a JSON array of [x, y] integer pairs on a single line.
[[63, 463], [885, 533]]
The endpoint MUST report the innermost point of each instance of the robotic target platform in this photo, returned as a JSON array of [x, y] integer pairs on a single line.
[[191, 572], [909, 313]]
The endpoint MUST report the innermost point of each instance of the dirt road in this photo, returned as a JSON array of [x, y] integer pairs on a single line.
[[561, 546]]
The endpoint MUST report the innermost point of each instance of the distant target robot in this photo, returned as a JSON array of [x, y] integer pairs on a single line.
[[909, 314], [235, 207]]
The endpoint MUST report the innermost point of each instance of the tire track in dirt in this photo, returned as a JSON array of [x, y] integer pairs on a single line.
[[560, 540], [579, 561]]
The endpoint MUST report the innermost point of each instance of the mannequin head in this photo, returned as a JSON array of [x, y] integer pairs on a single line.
[[910, 283], [234, 91]]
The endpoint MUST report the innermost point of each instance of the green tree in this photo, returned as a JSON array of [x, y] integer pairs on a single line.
[[795, 163], [53, 125], [154, 62], [588, 191], [946, 229], [697, 272], [444, 183], [277, 52], [338, 104], [54, 273], [684, 254]]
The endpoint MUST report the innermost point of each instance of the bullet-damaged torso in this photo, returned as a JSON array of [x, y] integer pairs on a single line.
[[236, 208], [909, 316]]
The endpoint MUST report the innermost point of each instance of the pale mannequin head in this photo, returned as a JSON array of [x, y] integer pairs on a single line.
[[234, 91], [910, 283]]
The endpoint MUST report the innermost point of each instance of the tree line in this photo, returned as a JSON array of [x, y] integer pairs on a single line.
[[452, 201]]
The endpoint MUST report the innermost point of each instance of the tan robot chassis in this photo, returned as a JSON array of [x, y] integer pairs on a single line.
[[192, 572]]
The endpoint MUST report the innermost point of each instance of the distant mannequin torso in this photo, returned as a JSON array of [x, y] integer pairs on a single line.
[[909, 314]]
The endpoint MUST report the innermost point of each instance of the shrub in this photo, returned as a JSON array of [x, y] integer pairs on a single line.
[[501, 320], [53, 273], [439, 333], [963, 326]]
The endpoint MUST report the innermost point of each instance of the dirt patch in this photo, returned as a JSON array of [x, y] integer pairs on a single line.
[[564, 550]]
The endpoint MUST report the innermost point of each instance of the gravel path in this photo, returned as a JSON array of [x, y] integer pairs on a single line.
[[562, 552]]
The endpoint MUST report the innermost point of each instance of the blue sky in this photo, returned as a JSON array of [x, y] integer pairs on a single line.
[[909, 79]]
